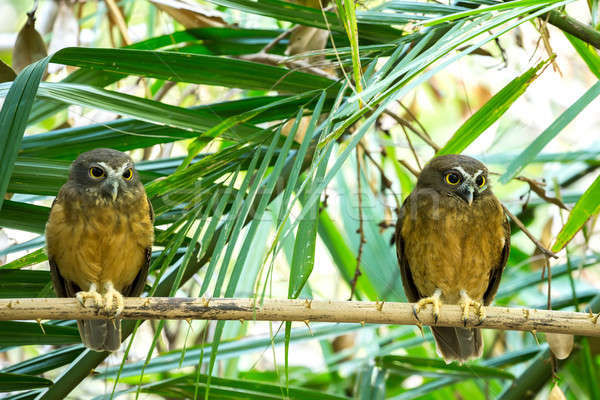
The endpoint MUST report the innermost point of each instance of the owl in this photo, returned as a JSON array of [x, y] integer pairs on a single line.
[[452, 243], [98, 238]]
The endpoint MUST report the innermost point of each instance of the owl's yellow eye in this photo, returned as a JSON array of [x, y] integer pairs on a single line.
[[452, 178], [96, 172], [128, 174], [480, 181]]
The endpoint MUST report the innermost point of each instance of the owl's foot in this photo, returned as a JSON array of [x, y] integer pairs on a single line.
[[113, 300], [91, 298], [435, 305], [466, 303]]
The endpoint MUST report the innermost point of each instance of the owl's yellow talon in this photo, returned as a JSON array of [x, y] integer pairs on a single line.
[[435, 305], [113, 301], [466, 303], [90, 298]]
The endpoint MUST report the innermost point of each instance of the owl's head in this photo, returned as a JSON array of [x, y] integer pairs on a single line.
[[105, 172], [456, 175]]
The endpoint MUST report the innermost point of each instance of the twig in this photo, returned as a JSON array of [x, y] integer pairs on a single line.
[[409, 168], [31, 13], [275, 59], [537, 188], [505, 318], [360, 230], [573, 27], [521, 226], [115, 14], [407, 124], [411, 147], [414, 118], [164, 89], [547, 266], [387, 183], [278, 39]]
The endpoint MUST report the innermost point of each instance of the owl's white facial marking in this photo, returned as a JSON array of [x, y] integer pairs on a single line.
[[114, 173], [470, 179]]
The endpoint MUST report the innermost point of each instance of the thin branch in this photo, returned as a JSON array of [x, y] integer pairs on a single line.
[[277, 60], [573, 27], [409, 168], [278, 39], [521, 226], [505, 318], [360, 230], [387, 183], [115, 14], [407, 124], [411, 147], [414, 118]]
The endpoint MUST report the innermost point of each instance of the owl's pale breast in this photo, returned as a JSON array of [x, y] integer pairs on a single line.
[[452, 246], [97, 244]]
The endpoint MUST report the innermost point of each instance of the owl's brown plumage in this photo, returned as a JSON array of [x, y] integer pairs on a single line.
[[452, 243], [98, 238]]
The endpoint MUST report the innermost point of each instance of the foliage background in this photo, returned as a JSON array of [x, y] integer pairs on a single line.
[[254, 201]]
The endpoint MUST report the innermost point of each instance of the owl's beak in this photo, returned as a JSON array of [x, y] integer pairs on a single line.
[[115, 190], [111, 188], [465, 191]]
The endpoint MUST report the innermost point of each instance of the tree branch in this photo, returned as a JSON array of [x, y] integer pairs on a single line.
[[538, 244], [573, 27], [505, 318]]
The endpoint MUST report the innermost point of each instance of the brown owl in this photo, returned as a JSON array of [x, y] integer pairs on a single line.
[[99, 237], [452, 243]]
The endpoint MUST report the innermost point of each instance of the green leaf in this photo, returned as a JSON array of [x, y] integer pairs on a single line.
[[32, 258], [545, 137], [417, 365], [46, 361], [308, 16], [587, 53], [13, 118], [23, 283], [194, 68], [25, 333], [508, 5], [587, 206], [490, 112], [344, 258], [127, 134], [16, 382], [303, 258], [137, 107], [24, 216], [223, 388], [227, 349]]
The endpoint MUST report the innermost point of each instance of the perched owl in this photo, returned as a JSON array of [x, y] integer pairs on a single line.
[[452, 243], [99, 237]]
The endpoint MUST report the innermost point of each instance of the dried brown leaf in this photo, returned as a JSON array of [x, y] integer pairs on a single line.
[[537, 188], [190, 15], [560, 344], [556, 393], [307, 38], [6, 73], [29, 45]]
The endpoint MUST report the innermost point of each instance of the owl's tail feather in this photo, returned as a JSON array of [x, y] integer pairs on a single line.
[[100, 334], [458, 344]]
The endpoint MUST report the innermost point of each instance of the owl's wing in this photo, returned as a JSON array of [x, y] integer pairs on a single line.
[[496, 273], [410, 289], [62, 287], [137, 286]]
